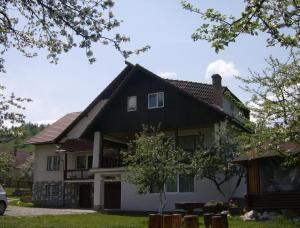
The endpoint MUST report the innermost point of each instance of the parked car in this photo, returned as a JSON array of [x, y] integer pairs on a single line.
[[3, 200]]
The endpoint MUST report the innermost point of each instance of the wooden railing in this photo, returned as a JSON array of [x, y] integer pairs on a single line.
[[108, 162], [78, 174]]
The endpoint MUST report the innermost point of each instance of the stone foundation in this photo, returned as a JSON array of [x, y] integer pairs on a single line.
[[70, 199]]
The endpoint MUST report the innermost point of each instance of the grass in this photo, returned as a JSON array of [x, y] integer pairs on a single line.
[[120, 221], [16, 200]]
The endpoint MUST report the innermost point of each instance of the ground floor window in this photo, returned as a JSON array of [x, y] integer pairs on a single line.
[[180, 184], [52, 190]]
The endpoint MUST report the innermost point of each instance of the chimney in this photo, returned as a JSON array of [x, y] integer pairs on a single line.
[[217, 89]]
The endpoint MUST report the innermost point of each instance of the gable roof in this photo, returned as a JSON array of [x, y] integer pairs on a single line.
[[50, 133], [201, 92]]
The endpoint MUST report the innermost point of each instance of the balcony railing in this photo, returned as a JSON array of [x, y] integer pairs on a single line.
[[108, 162], [78, 174]]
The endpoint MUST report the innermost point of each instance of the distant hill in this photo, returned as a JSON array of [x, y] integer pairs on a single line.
[[18, 143]]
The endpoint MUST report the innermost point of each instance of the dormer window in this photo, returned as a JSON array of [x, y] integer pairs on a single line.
[[156, 100], [131, 103]]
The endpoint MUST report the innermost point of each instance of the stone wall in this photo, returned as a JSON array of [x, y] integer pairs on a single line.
[[69, 199]]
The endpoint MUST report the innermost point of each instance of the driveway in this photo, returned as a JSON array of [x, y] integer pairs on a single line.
[[31, 211]]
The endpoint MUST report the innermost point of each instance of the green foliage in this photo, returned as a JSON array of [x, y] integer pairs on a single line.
[[58, 26], [6, 163], [14, 142], [275, 105], [9, 115], [279, 19], [121, 221], [152, 160], [17, 140], [215, 162]]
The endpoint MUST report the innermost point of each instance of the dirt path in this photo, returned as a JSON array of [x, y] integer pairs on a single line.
[[31, 211]]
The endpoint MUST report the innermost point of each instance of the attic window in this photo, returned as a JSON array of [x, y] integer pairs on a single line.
[[156, 100], [131, 103]]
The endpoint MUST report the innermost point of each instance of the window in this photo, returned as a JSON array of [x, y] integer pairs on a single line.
[[186, 183], [81, 162], [131, 104], [171, 186], [156, 100], [52, 190], [53, 163], [274, 177], [90, 162], [180, 184], [189, 143]]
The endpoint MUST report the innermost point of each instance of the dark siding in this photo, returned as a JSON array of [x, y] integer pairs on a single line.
[[180, 111]]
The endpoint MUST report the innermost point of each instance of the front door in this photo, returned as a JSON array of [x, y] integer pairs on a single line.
[[112, 195], [85, 196]]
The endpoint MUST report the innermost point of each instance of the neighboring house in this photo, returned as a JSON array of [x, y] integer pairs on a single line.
[[77, 159], [21, 157], [270, 184]]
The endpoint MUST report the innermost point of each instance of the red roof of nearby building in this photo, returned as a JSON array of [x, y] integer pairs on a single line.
[[50, 133]]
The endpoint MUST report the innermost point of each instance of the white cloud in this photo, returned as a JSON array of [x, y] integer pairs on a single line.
[[225, 69], [169, 75], [44, 122]]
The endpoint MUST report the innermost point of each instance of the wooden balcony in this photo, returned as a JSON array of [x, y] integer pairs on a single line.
[[78, 174], [108, 162]]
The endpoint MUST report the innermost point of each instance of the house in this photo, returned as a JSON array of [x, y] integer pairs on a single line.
[[270, 184], [78, 157]]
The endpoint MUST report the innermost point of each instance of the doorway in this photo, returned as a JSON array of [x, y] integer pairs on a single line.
[[112, 195], [85, 196]]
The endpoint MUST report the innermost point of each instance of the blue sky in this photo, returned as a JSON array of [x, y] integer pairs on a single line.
[[74, 83]]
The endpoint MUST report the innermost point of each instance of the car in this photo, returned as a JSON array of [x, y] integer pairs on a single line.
[[3, 200]]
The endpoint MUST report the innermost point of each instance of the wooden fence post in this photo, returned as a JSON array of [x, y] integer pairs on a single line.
[[225, 220], [207, 219], [190, 221], [167, 221], [176, 220], [155, 221], [217, 222]]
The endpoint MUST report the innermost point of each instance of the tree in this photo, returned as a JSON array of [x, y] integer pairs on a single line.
[[10, 118], [275, 102], [215, 162], [58, 26], [152, 161], [6, 163], [277, 18]]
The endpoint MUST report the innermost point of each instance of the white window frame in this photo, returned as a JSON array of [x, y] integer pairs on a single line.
[[50, 191], [150, 94], [128, 110], [51, 167], [86, 166], [177, 187]]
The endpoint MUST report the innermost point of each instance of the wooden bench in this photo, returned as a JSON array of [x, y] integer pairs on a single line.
[[189, 207]]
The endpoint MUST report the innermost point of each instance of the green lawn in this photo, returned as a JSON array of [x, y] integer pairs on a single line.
[[118, 221]]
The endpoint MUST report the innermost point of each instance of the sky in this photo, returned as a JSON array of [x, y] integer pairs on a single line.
[[73, 83]]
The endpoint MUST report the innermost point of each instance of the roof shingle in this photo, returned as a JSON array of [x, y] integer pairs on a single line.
[[50, 133], [201, 91]]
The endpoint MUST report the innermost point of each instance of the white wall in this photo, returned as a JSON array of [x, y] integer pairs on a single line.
[[40, 164], [204, 191]]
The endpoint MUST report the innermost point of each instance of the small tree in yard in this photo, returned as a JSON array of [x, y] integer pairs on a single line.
[[152, 161], [215, 162]]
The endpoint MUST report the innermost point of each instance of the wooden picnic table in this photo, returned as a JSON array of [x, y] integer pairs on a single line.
[[189, 207]]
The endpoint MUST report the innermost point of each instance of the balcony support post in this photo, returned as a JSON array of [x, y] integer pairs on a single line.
[[98, 192], [97, 149]]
